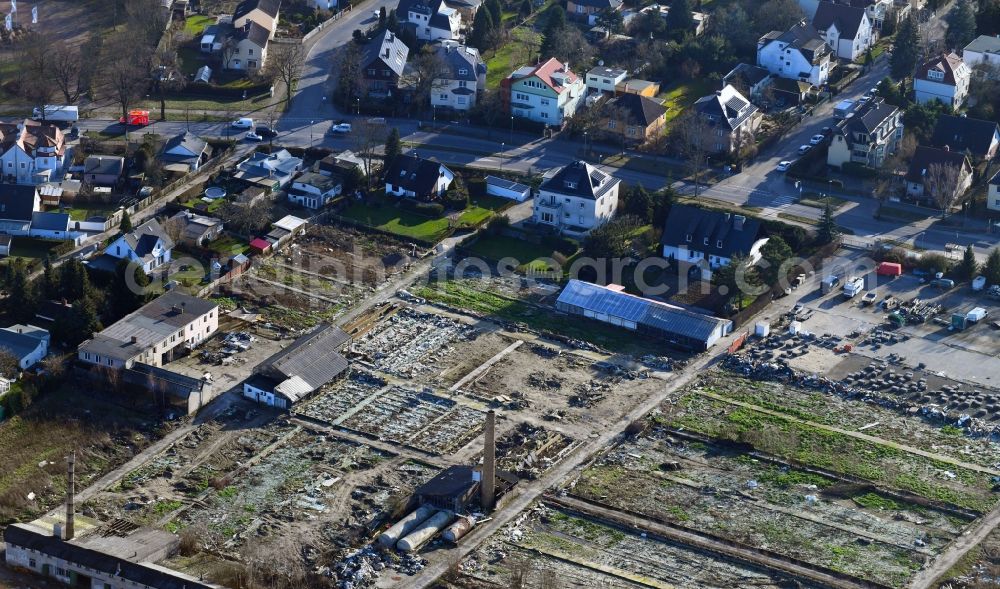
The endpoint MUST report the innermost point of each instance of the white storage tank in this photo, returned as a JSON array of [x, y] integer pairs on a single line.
[[425, 531], [405, 526]]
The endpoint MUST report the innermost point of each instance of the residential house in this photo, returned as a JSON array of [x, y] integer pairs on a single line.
[[249, 48], [271, 171], [194, 230], [340, 164], [633, 118], [429, 20], [879, 11], [944, 78], [706, 240], [461, 79], [383, 63], [155, 334], [846, 28], [605, 80], [264, 13], [920, 170], [750, 80], [786, 92], [184, 153], [992, 193], [27, 343], [50, 226], [547, 93], [983, 53], [313, 190], [283, 230], [589, 10], [730, 120], [148, 245], [640, 87], [800, 53], [415, 177], [5, 245], [976, 138], [868, 137], [576, 198], [18, 204], [103, 170], [292, 374], [31, 151]]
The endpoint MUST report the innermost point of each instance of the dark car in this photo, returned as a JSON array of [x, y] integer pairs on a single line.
[[267, 132]]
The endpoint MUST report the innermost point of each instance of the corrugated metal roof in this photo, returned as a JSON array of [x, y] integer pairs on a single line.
[[655, 314], [309, 362]]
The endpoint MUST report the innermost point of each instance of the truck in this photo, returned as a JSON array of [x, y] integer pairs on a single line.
[[976, 315], [829, 284], [57, 113], [139, 118], [843, 109], [853, 287], [979, 283]]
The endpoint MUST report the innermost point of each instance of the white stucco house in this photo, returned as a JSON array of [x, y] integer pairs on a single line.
[[411, 176], [576, 199], [429, 20], [27, 343], [314, 190], [983, 51], [30, 151], [462, 77], [944, 78], [993, 193], [605, 80], [547, 93], [799, 53], [148, 245], [847, 29], [706, 240]]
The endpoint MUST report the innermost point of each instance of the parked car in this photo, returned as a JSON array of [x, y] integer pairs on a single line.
[[251, 136], [783, 166], [826, 130], [243, 123], [817, 139], [340, 128], [943, 283], [803, 149], [267, 132]]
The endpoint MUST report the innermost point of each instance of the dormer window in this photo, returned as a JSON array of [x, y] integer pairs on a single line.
[[935, 75], [687, 238], [463, 72], [718, 244], [705, 241], [570, 184]]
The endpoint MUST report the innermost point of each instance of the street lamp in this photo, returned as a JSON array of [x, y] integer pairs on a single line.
[[357, 105], [434, 112], [502, 145], [512, 129], [311, 134], [586, 147]]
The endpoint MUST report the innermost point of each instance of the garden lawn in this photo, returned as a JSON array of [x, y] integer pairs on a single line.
[[196, 24], [210, 207], [82, 214], [682, 95], [32, 247], [481, 208], [529, 255], [398, 222], [228, 245]]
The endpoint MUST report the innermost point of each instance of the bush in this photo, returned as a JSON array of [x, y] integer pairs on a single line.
[[934, 263], [561, 244], [497, 224], [895, 255], [857, 170], [429, 209], [457, 196], [63, 248], [796, 237]]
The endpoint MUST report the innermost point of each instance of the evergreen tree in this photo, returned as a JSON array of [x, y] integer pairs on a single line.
[[482, 30], [126, 225], [776, 251], [50, 281], [555, 25], [966, 270], [82, 322], [21, 301], [679, 19], [827, 229], [525, 9], [639, 203], [736, 276], [611, 20], [961, 25], [74, 283], [393, 148], [991, 269], [128, 295], [907, 50], [496, 12]]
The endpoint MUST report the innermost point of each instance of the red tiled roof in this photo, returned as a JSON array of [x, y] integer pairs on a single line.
[[544, 73], [260, 244], [947, 64]]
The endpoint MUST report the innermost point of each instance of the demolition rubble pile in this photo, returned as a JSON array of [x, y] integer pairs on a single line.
[[361, 568], [410, 342], [887, 383], [528, 450]]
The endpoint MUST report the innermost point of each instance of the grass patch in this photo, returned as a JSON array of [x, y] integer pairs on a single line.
[[797, 219], [82, 214], [903, 214], [876, 501], [196, 204], [197, 23], [385, 217], [528, 255], [681, 95], [32, 247], [228, 245], [811, 199], [166, 506]]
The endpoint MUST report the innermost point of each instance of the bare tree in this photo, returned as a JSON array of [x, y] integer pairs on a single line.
[[165, 74], [617, 120], [230, 48], [125, 69], [34, 81], [691, 135], [430, 68], [942, 184], [9, 365], [246, 218], [284, 63], [66, 66], [147, 19], [368, 137], [744, 145], [174, 227]]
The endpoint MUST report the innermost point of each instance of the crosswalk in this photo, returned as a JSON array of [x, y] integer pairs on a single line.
[[763, 198]]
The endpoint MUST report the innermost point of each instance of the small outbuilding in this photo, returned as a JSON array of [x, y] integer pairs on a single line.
[[504, 188]]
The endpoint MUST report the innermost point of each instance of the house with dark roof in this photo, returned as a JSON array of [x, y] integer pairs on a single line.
[[262, 12], [576, 198], [589, 10], [984, 53], [383, 64], [307, 364], [248, 48], [546, 93], [632, 118], [412, 176], [749, 80], [944, 78], [193, 229], [30, 151], [18, 204], [868, 137], [183, 153], [922, 176], [462, 76], [729, 121], [429, 20], [976, 137], [103, 170], [148, 245], [702, 240], [993, 193], [879, 11], [846, 28], [800, 53], [50, 225], [27, 343], [314, 190]]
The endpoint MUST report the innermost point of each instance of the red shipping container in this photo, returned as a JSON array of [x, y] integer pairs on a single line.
[[889, 269]]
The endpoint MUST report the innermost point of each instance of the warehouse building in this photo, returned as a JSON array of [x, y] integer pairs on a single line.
[[610, 304], [297, 371]]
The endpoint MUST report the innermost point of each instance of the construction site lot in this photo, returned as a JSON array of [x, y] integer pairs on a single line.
[[551, 545], [973, 353], [319, 275], [275, 485]]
